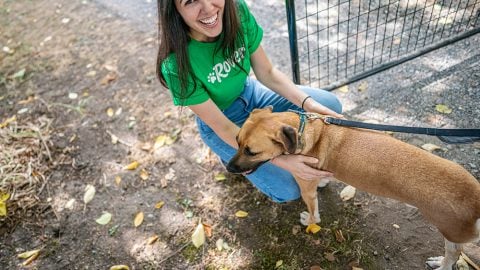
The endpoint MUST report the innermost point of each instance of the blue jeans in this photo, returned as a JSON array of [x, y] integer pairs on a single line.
[[273, 181]]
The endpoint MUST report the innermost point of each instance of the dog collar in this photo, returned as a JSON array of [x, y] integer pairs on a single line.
[[301, 128]]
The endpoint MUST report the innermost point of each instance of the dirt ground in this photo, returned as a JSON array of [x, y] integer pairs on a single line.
[[90, 73]]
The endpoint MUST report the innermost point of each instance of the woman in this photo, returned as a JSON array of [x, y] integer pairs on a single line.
[[207, 48]]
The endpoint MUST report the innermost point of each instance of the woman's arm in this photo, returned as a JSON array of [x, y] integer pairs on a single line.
[[282, 85], [217, 121]]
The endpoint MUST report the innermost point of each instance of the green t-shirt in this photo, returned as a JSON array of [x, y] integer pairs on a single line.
[[215, 77]]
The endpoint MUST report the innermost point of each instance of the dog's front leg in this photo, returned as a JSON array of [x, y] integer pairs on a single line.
[[308, 190], [452, 253]]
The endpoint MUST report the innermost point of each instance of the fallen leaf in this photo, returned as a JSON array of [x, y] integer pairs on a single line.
[[144, 174], [120, 267], [28, 254], [110, 112], [396, 226], [220, 177], [19, 74], [111, 76], [219, 244], [89, 194], [132, 166], [31, 258], [443, 109], [343, 89], [152, 239], [159, 204], [3, 204], [138, 219], [198, 236], [114, 139], [118, 180], [313, 228], [241, 214], [160, 141], [363, 86], [104, 219], [347, 193], [431, 147], [70, 204], [278, 264], [208, 230]]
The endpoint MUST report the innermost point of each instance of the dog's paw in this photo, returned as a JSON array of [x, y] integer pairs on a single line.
[[323, 182], [305, 219]]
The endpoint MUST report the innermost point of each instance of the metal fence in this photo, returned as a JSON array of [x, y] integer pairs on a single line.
[[335, 42]]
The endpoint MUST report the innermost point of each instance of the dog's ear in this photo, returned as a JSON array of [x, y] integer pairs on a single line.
[[288, 137]]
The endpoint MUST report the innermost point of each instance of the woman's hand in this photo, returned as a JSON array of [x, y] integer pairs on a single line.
[[298, 166], [313, 106]]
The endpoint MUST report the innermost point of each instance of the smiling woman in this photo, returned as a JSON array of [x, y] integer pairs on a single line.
[[203, 17], [207, 49]]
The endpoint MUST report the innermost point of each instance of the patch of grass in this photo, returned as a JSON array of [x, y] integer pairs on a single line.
[[24, 161], [191, 253]]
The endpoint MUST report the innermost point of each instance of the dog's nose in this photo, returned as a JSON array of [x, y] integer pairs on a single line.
[[232, 168]]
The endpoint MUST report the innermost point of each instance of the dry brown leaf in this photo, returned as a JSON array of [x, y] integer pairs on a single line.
[[442, 108], [152, 239], [144, 174], [29, 255], [159, 204], [118, 180], [313, 228], [111, 76], [132, 166], [110, 112], [138, 219], [198, 236], [89, 194], [343, 89], [208, 230], [241, 214], [120, 267]]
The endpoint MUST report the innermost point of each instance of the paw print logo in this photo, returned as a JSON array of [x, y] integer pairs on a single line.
[[211, 77]]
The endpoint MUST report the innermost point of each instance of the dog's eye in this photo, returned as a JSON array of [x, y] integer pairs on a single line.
[[248, 152]]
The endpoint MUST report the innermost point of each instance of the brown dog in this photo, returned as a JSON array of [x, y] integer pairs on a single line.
[[444, 192]]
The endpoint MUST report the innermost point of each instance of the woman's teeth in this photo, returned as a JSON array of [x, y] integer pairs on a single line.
[[210, 20]]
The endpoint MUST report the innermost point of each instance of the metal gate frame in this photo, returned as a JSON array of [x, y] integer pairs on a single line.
[[465, 27]]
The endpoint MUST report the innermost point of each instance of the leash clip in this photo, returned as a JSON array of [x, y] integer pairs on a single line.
[[326, 120]]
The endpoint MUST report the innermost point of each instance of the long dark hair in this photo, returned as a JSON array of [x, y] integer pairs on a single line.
[[173, 38]]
